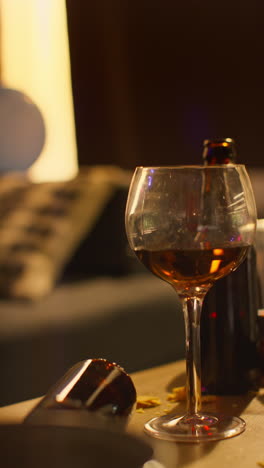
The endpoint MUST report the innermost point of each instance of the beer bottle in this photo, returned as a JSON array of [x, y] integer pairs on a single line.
[[229, 332]]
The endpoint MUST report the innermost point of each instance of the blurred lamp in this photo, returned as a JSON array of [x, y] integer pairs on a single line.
[[22, 131], [35, 61]]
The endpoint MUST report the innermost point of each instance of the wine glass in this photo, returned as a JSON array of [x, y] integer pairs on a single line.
[[191, 225]]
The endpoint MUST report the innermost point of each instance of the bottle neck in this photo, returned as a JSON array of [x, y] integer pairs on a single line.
[[219, 151]]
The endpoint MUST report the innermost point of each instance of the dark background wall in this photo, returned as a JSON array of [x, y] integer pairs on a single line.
[[152, 79]]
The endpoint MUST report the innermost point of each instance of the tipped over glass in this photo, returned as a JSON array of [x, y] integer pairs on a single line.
[[190, 226]]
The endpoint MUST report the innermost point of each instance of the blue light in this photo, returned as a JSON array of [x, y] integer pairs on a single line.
[[149, 181]]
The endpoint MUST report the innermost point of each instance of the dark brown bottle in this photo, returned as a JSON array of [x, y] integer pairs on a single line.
[[229, 334], [93, 386], [219, 151]]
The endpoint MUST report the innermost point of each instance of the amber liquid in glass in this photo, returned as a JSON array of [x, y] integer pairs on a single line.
[[192, 267]]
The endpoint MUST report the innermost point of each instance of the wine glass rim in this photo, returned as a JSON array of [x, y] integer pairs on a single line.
[[193, 166]]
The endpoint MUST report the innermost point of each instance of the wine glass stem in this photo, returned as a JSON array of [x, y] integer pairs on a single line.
[[192, 307]]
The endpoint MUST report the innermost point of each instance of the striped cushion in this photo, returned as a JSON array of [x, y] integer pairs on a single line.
[[43, 224]]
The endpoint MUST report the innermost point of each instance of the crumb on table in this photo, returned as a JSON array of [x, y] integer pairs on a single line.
[[179, 394], [176, 395], [147, 401]]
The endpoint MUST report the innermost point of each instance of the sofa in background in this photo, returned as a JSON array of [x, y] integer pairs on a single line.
[[70, 289]]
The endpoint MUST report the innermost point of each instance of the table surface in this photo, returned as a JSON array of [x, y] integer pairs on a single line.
[[245, 450]]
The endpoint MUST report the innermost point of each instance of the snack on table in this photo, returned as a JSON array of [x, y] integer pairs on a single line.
[[147, 401], [176, 395], [179, 394]]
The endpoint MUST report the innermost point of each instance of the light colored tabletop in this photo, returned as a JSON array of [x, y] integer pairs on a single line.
[[243, 451]]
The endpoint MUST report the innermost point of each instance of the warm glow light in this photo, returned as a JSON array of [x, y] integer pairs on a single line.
[[218, 252], [215, 264], [35, 60]]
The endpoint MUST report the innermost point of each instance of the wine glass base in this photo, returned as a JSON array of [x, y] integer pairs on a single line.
[[196, 428]]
